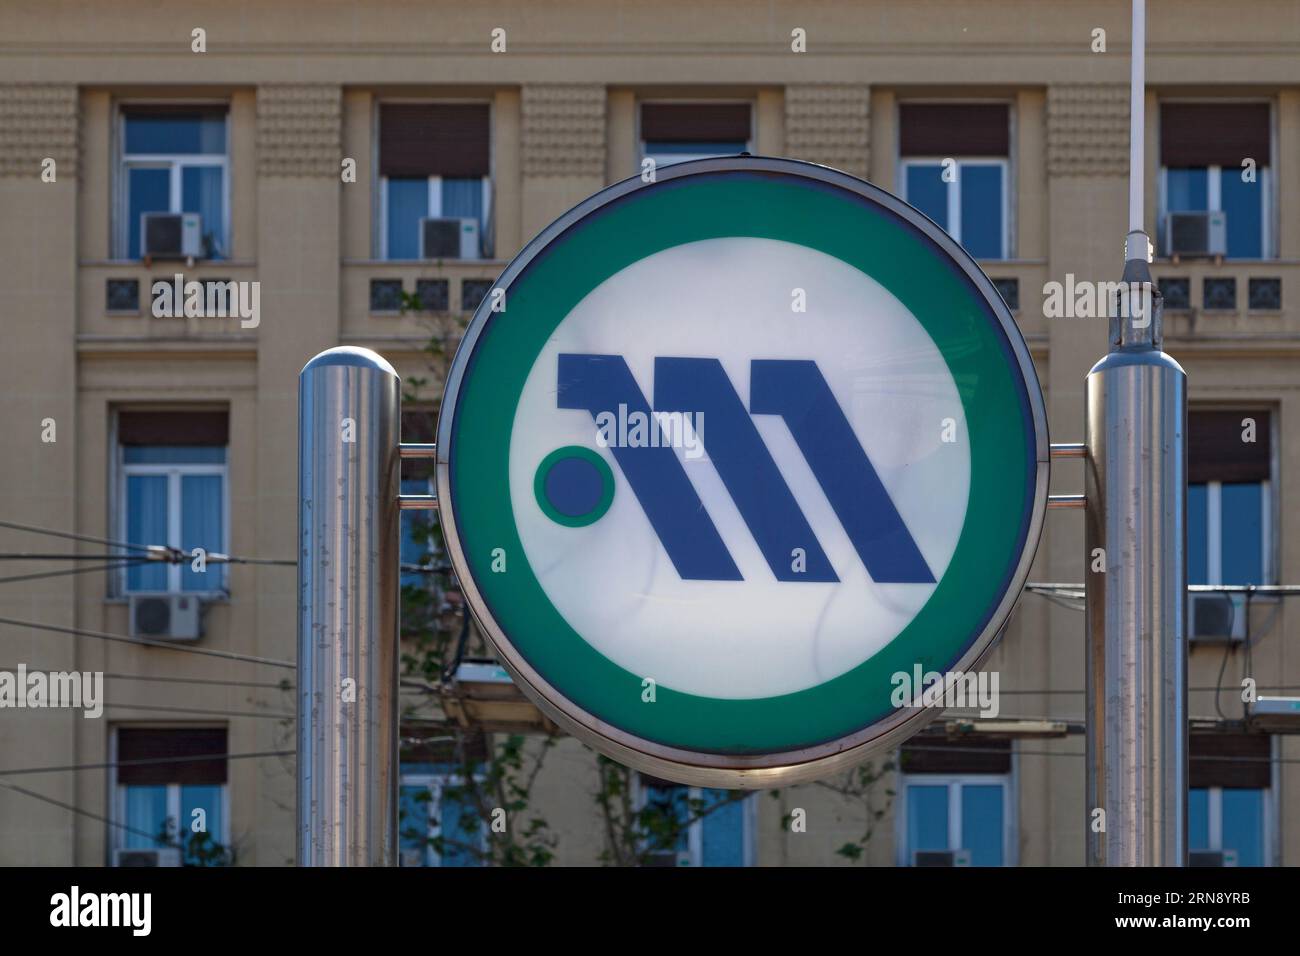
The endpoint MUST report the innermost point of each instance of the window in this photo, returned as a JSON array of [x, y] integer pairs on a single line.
[[172, 468], [1229, 509], [161, 799], [1202, 150], [1229, 807], [434, 162], [438, 823], [716, 826], [676, 132], [173, 159], [955, 797], [419, 543], [954, 168]]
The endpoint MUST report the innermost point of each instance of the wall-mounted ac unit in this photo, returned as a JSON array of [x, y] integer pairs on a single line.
[[171, 235], [449, 238], [1212, 858], [160, 856], [668, 858], [941, 858], [1215, 618], [166, 617], [1275, 715], [1196, 233]]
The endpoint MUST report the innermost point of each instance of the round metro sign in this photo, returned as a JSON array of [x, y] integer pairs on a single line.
[[729, 452]]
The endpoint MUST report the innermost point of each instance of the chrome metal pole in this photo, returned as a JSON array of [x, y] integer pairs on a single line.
[[348, 481], [1135, 485]]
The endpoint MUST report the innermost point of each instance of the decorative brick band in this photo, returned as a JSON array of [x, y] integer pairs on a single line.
[[38, 120], [829, 124], [1087, 129], [563, 130], [299, 130]]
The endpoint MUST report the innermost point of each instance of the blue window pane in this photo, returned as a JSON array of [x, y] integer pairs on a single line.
[[723, 830], [461, 828], [1187, 190], [148, 189], [1198, 819], [208, 799], [982, 823], [1242, 512], [927, 819], [198, 133], [927, 191], [408, 203], [146, 813], [413, 824], [1244, 205], [414, 548], [174, 454], [146, 523], [1243, 825], [674, 803], [202, 526], [202, 192], [981, 210], [1198, 568], [463, 198]]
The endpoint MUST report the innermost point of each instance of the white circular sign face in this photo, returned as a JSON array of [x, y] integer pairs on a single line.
[[759, 637], [726, 454]]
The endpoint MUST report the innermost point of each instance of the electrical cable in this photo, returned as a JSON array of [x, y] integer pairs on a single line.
[[72, 536], [133, 562], [146, 642], [153, 761]]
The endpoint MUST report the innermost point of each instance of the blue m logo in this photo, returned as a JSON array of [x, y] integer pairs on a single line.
[[794, 390]]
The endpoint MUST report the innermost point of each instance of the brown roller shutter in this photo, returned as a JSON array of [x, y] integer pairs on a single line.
[[695, 122], [1215, 451], [434, 139], [940, 755], [1213, 134], [173, 428], [1229, 760], [149, 744], [954, 129]]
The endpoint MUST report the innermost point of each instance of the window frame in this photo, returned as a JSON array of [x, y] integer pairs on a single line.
[[1003, 163], [1214, 818], [117, 794], [379, 182], [119, 522], [695, 832], [435, 783], [1214, 531], [643, 155], [903, 854], [123, 162], [1270, 215]]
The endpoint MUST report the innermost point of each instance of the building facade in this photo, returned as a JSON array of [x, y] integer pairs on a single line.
[[301, 145]]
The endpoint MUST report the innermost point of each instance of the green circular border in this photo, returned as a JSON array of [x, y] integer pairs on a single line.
[[865, 235], [606, 480]]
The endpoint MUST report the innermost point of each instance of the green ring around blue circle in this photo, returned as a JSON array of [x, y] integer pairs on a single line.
[[606, 486], [867, 235]]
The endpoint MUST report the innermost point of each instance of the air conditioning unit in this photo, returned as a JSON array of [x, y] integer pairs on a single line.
[[1216, 618], [171, 235], [941, 858], [449, 239], [1275, 715], [166, 617], [1196, 233], [1212, 858], [669, 858], [160, 856]]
